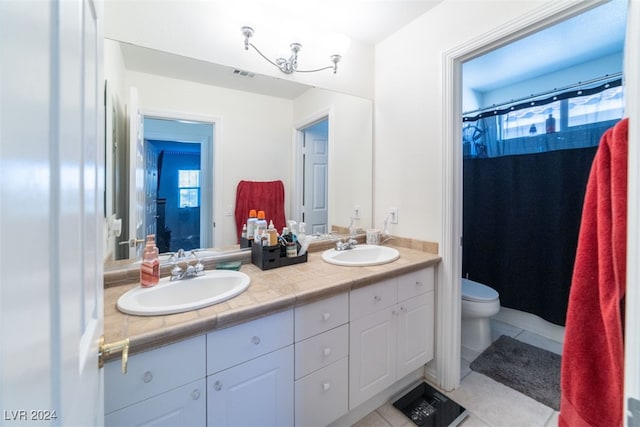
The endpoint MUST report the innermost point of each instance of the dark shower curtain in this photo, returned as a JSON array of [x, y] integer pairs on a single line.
[[521, 220], [522, 202]]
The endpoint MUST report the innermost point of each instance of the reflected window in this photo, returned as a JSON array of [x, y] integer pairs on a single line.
[[189, 188]]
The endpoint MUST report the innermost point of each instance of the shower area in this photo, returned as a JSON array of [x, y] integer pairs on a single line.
[[525, 168]]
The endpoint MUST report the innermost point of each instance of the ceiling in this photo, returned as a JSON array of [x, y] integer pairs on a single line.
[[591, 35], [367, 21]]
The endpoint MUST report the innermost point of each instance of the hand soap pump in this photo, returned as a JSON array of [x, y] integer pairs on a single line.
[[150, 265]]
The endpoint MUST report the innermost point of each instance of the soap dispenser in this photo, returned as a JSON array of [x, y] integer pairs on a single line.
[[150, 265]]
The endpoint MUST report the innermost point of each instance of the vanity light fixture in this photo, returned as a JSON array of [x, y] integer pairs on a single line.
[[287, 65]]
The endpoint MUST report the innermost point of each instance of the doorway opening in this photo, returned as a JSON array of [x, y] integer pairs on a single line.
[[178, 183], [451, 249], [313, 176]]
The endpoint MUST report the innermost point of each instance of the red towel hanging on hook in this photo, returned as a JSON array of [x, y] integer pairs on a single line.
[[267, 196], [592, 375]]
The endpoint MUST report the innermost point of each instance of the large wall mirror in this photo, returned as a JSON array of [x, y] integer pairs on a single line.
[[245, 126]]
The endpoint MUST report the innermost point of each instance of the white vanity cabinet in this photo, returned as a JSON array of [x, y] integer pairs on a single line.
[[162, 387], [321, 361], [391, 332], [250, 373]]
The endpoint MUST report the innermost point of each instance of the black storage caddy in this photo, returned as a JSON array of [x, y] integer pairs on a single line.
[[245, 243], [268, 257]]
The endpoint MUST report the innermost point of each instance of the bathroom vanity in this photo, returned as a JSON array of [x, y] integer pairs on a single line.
[[303, 345]]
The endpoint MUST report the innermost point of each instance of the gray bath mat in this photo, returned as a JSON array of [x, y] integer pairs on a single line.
[[523, 367]]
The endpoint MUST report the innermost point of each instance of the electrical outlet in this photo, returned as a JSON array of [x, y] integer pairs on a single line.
[[393, 212], [356, 212]]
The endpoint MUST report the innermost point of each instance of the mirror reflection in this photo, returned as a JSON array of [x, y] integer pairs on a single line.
[[259, 129]]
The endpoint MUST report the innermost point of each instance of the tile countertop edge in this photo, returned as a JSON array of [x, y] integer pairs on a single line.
[[154, 332]]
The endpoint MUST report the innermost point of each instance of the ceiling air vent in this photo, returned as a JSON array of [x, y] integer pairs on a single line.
[[243, 73]]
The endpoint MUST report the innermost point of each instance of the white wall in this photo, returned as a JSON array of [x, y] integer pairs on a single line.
[[350, 151], [407, 115], [256, 134], [606, 65]]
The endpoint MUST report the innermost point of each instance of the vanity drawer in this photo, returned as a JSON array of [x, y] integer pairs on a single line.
[[153, 372], [370, 299], [415, 283], [232, 346], [322, 396], [321, 350], [317, 317]]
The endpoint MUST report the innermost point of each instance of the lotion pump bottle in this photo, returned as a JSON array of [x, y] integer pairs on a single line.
[[273, 234], [150, 266]]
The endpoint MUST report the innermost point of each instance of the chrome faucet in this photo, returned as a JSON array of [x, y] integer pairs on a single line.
[[178, 273], [348, 243]]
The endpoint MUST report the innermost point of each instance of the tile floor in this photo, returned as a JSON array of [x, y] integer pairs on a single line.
[[489, 403]]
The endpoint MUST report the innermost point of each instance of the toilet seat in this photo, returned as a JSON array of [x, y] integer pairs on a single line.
[[477, 292]]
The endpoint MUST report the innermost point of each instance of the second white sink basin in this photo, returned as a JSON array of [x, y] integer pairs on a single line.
[[361, 256], [169, 297]]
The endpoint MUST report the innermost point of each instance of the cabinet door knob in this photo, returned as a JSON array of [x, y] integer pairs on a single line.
[[377, 298], [326, 386], [217, 386], [326, 351], [195, 394], [255, 339], [147, 377], [418, 283], [326, 316]]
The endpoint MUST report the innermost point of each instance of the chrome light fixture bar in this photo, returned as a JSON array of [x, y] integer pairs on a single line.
[[287, 65]]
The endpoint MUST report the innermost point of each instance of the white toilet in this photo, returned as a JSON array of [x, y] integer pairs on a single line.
[[479, 303]]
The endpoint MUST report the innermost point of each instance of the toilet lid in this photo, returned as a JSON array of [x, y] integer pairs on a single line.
[[474, 291]]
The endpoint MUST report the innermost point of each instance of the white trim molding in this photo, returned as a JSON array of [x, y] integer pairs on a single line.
[[449, 293]]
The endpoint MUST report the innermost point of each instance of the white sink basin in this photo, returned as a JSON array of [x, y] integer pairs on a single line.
[[184, 295], [361, 255]]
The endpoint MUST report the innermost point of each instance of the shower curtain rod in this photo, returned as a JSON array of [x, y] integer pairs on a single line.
[[549, 92]]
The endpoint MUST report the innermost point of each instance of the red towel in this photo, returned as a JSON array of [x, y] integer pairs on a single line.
[[265, 196], [592, 374]]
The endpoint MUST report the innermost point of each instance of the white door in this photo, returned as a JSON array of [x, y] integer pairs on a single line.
[[315, 177], [136, 176], [372, 355], [150, 190], [415, 333], [51, 181], [254, 393]]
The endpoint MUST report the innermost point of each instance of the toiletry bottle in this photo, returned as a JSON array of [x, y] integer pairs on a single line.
[[243, 235], [251, 224], [550, 124], [150, 266], [261, 224], [273, 234], [293, 230]]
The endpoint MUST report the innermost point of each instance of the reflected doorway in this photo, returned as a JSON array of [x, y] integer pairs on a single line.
[[314, 165], [178, 183]]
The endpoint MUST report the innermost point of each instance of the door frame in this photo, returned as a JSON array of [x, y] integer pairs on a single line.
[[209, 158], [449, 296], [296, 168], [632, 328]]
